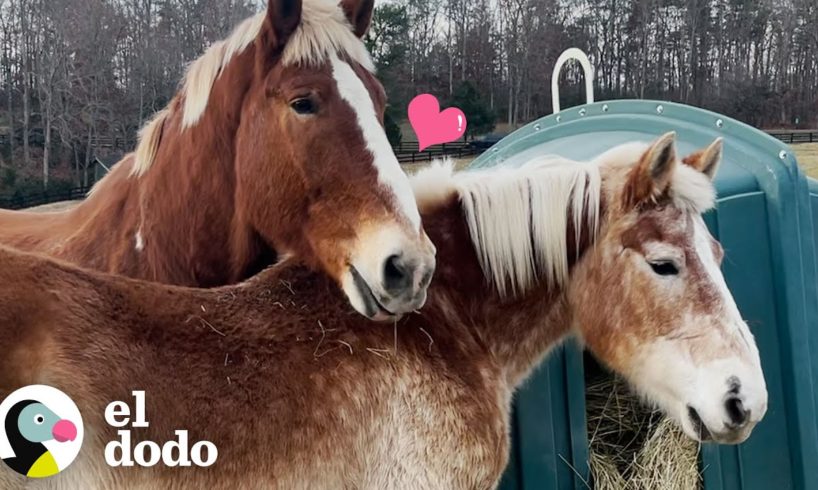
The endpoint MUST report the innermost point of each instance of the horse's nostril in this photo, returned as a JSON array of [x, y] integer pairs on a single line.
[[736, 412], [396, 275]]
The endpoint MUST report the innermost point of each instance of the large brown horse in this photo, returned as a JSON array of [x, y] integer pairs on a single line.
[[273, 147], [298, 394]]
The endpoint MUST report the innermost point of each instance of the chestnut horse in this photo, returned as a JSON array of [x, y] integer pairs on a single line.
[[274, 146], [296, 393]]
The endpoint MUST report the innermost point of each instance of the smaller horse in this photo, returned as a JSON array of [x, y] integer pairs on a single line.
[[273, 147], [296, 393]]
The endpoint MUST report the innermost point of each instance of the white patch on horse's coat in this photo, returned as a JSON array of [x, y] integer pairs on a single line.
[[733, 316], [354, 92], [434, 184], [667, 374], [140, 241], [704, 251], [692, 190], [373, 248], [324, 31]]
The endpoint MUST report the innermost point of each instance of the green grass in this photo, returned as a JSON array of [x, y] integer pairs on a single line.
[[807, 155]]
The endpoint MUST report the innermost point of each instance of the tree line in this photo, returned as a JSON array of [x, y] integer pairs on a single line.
[[79, 77]]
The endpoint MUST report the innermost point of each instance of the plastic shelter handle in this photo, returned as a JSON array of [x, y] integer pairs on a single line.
[[572, 54]]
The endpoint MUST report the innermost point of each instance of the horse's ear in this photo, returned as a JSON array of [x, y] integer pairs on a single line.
[[708, 160], [283, 17], [651, 176], [359, 13]]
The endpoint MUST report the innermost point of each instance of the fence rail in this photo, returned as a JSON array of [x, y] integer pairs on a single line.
[[108, 142], [41, 198], [795, 136], [407, 153], [412, 146]]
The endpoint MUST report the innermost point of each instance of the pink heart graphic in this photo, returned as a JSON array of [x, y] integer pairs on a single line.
[[433, 126]]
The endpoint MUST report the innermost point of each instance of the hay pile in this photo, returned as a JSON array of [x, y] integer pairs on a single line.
[[634, 448]]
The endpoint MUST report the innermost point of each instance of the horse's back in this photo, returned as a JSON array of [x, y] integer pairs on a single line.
[[79, 233], [28, 230]]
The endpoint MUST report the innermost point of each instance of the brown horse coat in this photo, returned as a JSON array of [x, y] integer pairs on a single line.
[[274, 147], [297, 392]]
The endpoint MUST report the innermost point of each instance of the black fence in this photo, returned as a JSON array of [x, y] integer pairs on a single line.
[[41, 198], [407, 153], [108, 142], [410, 153], [795, 136], [412, 147]]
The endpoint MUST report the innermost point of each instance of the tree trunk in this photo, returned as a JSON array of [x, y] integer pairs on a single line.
[[87, 156], [47, 147], [10, 100], [450, 50], [26, 82], [77, 177]]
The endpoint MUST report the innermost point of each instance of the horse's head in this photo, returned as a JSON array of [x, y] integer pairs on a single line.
[[316, 175], [651, 299]]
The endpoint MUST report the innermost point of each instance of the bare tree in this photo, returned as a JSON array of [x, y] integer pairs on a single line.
[[25, 36], [85, 74]]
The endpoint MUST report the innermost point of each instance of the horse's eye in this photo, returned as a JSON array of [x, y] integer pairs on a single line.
[[303, 106], [664, 268]]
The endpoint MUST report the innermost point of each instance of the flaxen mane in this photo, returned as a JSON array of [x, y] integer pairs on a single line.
[[324, 31], [518, 241]]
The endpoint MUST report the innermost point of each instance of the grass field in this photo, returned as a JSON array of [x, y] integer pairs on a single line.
[[807, 155]]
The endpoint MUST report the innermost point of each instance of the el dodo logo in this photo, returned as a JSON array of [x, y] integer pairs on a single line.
[[149, 453], [41, 431]]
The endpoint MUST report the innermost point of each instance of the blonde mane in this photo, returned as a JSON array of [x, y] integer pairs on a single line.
[[324, 30], [518, 217]]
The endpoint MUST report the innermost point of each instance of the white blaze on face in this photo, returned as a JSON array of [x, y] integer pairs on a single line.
[[745, 364], [667, 372], [354, 92], [704, 250]]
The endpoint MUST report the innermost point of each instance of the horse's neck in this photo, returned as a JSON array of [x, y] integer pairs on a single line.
[[178, 218], [518, 331]]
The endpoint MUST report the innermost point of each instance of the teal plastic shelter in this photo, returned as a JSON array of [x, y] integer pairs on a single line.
[[767, 221]]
